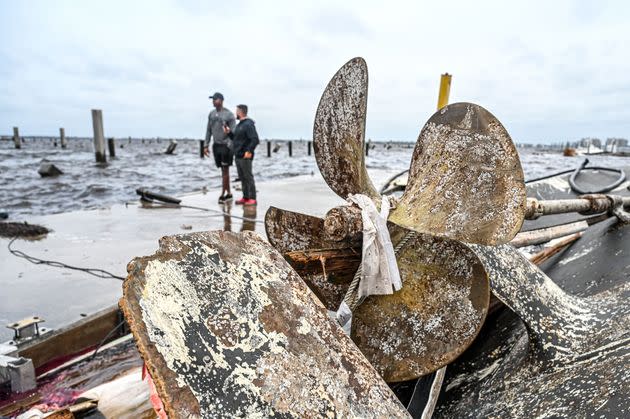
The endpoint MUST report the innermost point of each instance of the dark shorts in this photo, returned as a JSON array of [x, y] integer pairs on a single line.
[[223, 156]]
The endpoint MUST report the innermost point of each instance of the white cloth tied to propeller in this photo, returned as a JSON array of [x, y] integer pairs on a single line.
[[379, 269], [380, 275]]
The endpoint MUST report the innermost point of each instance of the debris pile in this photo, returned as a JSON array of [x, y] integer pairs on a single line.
[[224, 320]]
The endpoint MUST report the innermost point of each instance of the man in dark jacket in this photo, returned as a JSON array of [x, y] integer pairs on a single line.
[[244, 142]]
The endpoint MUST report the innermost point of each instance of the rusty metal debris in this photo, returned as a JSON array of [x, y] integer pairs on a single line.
[[465, 180], [488, 174], [585, 204], [433, 318], [228, 329], [339, 131], [572, 360]]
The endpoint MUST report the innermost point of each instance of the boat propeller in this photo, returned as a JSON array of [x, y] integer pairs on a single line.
[[465, 186]]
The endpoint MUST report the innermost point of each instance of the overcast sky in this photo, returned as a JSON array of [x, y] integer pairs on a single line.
[[550, 70]]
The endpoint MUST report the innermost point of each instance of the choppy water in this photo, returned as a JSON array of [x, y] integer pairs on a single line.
[[86, 185]]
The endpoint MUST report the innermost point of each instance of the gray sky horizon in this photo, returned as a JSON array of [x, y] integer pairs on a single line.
[[550, 71]]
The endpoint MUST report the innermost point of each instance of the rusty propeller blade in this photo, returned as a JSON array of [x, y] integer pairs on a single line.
[[433, 318], [465, 180], [415, 331], [339, 131]]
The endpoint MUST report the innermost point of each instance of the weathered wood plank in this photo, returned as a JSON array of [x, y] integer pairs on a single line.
[[74, 338]]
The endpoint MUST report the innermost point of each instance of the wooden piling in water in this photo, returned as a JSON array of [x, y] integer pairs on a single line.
[[268, 148], [99, 136], [201, 148], [62, 137], [111, 145], [290, 149], [309, 148], [16, 138]]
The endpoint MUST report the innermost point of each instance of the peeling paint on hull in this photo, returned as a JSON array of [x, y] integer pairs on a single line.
[[227, 329]]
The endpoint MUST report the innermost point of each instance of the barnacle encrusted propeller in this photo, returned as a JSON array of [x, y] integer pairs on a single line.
[[466, 184]]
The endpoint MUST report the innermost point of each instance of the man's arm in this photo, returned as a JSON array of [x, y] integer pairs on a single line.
[[231, 122], [252, 139], [208, 134]]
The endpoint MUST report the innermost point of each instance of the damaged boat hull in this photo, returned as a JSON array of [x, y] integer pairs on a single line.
[[227, 329]]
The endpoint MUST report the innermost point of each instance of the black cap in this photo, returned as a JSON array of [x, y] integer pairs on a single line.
[[217, 95]]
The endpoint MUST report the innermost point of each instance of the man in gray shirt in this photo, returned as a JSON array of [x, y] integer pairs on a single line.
[[219, 118]]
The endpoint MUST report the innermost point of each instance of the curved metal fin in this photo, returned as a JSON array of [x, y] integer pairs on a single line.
[[560, 326], [339, 131], [433, 318], [465, 180]]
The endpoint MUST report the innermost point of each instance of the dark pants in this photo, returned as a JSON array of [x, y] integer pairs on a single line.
[[244, 168]]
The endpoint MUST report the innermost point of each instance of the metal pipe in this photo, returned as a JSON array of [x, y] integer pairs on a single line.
[[588, 204]]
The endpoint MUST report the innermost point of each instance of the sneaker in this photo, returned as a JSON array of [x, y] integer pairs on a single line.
[[241, 201], [225, 198], [250, 202]]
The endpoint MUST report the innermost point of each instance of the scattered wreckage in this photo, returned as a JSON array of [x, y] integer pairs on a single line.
[[229, 325]]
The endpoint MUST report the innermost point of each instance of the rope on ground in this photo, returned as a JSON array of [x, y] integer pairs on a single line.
[[218, 213], [99, 273]]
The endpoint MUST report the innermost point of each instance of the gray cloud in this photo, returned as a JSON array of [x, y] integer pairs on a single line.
[[548, 70]]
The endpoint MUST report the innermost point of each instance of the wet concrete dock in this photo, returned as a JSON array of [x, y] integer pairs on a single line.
[[109, 238]]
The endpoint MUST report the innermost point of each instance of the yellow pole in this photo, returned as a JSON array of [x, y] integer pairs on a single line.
[[445, 89]]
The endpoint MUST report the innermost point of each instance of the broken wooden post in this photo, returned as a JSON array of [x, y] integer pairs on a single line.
[[268, 148], [201, 148], [99, 136], [290, 148], [111, 145], [16, 138], [545, 254], [62, 137], [171, 147]]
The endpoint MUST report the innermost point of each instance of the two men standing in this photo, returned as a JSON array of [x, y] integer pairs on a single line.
[[232, 140]]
